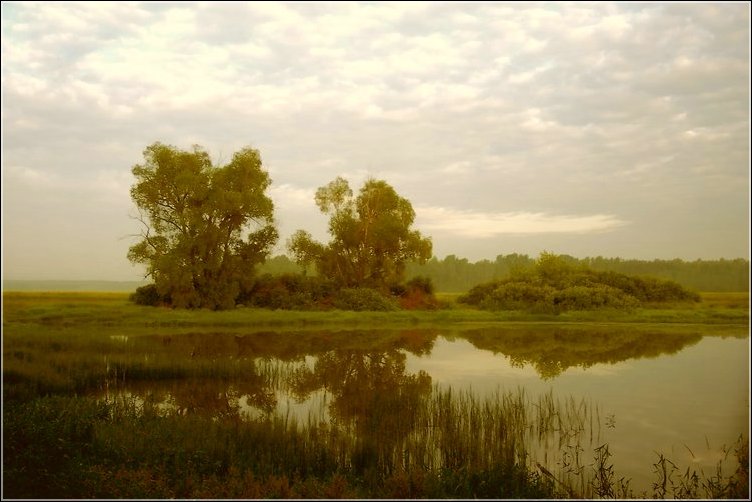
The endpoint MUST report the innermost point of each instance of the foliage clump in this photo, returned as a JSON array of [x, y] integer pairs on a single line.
[[149, 295], [205, 227], [302, 292], [360, 299], [289, 292], [372, 239], [552, 285]]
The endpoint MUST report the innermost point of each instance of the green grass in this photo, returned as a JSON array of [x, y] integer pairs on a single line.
[[96, 308]]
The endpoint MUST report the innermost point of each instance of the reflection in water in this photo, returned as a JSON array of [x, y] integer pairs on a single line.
[[364, 371], [552, 350], [371, 398]]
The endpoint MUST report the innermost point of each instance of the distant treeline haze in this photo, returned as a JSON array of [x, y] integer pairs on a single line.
[[453, 274]]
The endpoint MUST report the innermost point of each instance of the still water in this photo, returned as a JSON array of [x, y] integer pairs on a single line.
[[694, 399], [680, 392]]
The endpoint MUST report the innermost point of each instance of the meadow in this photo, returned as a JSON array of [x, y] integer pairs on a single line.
[[103, 308], [106, 399]]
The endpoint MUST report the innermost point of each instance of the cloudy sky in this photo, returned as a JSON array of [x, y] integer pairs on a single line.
[[617, 129]]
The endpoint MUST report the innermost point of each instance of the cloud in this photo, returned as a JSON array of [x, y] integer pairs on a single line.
[[465, 223], [511, 115]]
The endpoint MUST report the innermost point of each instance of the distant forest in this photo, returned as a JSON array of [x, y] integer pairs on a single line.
[[454, 274]]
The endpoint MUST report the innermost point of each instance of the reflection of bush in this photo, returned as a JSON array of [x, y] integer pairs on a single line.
[[553, 350]]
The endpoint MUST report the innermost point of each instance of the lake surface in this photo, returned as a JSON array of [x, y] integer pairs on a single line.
[[682, 392]]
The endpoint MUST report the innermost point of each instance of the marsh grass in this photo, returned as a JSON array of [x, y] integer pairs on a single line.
[[96, 309], [459, 446]]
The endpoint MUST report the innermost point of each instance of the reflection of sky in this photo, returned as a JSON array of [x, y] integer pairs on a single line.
[[459, 361], [665, 404]]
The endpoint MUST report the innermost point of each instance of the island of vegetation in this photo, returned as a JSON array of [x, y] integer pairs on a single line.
[[207, 228]]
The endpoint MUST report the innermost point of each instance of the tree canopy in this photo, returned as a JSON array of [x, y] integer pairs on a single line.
[[372, 239], [205, 227]]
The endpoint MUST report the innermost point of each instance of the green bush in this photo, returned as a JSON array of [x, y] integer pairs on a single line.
[[555, 286], [592, 297], [360, 299], [289, 292], [149, 295], [517, 295], [300, 292]]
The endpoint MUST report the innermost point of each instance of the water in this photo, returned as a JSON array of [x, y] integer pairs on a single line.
[[677, 391], [695, 399]]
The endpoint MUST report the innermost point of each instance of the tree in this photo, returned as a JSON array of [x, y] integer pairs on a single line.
[[205, 227], [371, 236]]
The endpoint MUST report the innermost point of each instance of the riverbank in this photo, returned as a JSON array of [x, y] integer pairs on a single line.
[[102, 308]]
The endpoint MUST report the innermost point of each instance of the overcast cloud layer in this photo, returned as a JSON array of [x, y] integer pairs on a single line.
[[589, 129]]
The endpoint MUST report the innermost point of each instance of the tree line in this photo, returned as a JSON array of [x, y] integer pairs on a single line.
[[453, 274], [458, 275]]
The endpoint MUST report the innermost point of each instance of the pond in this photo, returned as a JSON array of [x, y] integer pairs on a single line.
[[643, 391]]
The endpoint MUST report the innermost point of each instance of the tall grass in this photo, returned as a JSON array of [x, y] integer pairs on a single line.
[[460, 446]]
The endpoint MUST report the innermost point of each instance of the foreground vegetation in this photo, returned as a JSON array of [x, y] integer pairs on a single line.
[[453, 446], [107, 399]]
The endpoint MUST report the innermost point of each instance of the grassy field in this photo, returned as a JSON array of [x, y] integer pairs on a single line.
[[100, 308]]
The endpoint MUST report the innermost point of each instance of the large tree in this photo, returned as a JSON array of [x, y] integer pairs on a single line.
[[205, 227], [372, 239]]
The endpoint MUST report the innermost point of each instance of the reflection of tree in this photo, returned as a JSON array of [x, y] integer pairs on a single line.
[[221, 398], [285, 346], [218, 374], [553, 350], [215, 397], [372, 397]]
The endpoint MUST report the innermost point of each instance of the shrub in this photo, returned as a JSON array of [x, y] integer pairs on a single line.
[[360, 299], [592, 297], [517, 296], [289, 291], [422, 284], [149, 295], [555, 286], [416, 294]]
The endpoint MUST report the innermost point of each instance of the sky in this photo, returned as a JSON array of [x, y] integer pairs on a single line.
[[588, 129]]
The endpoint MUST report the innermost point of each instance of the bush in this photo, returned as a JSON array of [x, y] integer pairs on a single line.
[[592, 297], [360, 299], [554, 286], [422, 284], [646, 289], [149, 295], [300, 292], [518, 296], [289, 292], [416, 294]]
